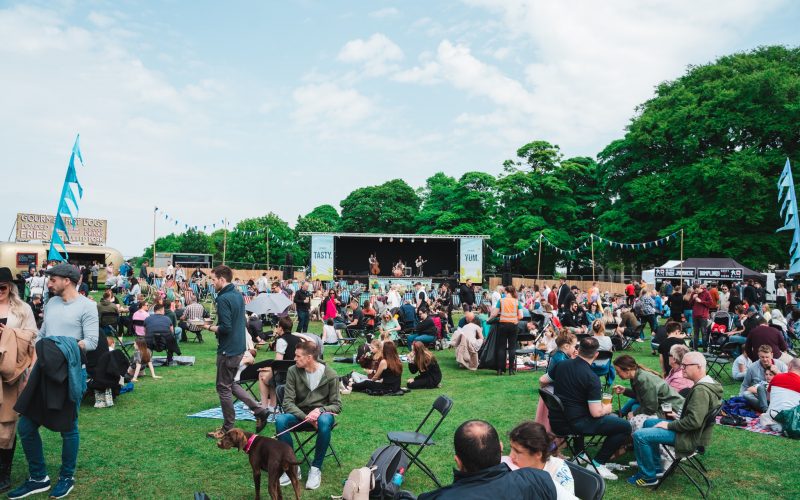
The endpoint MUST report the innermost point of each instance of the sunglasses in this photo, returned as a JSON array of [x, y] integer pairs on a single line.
[[4, 288]]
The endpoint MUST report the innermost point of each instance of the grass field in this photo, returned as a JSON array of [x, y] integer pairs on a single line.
[[146, 447]]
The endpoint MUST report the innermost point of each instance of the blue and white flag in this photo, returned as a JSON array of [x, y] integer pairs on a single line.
[[67, 206], [787, 199]]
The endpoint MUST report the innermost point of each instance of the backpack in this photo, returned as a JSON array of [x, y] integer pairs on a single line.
[[358, 484], [384, 463], [790, 421]]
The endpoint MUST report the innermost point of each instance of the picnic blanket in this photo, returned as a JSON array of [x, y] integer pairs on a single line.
[[242, 413], [180, 360], [753, 425]]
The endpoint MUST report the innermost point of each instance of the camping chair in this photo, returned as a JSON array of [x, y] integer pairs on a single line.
[[310, 437], [111, 319], [562, 428], [719, 356], [692, 460], [588, 485], [603, 367], [249, 377], [420, 440]]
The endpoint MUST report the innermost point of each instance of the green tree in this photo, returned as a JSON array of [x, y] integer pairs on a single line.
[[247, 242], [704, 155], [389, 208]]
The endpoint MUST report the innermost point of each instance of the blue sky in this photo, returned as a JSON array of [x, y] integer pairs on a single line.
[[234, 109]]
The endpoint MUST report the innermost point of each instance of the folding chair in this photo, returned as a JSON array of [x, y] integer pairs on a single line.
[[718, 357], [303, 442], [406, 440], [562, 428], [280, 368], [603, 368], [112, 320], [249, 376], [691, 460], [588, 485]]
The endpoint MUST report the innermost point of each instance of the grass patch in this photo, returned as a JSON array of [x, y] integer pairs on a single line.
[[146, 447]]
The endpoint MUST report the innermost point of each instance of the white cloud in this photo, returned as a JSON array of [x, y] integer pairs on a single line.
[[329, 106], [426, 74], [377, 54], [385, 12]]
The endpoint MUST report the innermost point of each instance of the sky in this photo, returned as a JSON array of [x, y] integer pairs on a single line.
[[212, 110]]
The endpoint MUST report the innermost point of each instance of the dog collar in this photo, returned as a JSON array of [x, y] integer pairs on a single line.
[[250, 443]]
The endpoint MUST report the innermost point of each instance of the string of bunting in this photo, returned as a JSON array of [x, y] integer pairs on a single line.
[[274, 240], [585, 245]]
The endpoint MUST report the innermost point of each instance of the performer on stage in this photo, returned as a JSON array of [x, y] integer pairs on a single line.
[[419, 262], [397, 271], [374, 268]]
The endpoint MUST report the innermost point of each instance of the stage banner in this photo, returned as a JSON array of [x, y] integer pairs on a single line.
[[322, 257], [471, 260]]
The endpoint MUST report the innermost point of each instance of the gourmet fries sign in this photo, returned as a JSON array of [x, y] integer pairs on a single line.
[[36, 227]]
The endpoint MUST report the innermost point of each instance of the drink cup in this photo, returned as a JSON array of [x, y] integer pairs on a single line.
[[606, 398]]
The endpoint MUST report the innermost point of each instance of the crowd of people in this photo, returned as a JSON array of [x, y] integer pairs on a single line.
[[572, 328]]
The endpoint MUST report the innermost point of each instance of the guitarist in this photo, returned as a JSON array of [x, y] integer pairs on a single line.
[[418, 263]]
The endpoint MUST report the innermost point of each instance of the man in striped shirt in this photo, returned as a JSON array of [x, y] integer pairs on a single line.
[[192, 315]]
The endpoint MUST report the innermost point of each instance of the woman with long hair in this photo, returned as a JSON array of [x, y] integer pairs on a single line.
[[142, 357], [648, 392], [534, 446], [594, 312], [423, 361], [17, 333], [330, 305], [386, 378]]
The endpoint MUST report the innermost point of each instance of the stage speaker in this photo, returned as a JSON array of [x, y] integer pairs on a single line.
[[287, 268]]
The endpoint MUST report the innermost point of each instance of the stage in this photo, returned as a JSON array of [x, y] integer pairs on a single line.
[[368, 257]]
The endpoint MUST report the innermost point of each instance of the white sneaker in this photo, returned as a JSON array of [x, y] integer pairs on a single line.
[[603, 471], [285, 481], [314, 478], [109, 398]]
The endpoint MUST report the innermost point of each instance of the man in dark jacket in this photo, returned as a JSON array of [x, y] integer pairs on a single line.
[[480, 473], [467, 295], [231, 331], [302, 302], [563, 295]]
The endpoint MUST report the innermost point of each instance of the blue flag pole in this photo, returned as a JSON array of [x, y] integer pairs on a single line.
[[787, 199], [67, 194]]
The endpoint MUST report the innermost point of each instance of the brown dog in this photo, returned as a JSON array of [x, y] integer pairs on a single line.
[[271, 455]]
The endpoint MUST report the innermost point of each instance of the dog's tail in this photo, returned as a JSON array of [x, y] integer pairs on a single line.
[[286, 464]]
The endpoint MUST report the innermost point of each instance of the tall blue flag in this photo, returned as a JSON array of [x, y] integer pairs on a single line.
[[787, 199], [67, 206]]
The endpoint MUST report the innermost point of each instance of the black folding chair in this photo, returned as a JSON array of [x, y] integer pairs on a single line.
[[562, 428], [604, 359], [304, 441], [588, 485], [110, 319], [718, 357], [420, 440], [692, 460], [249, 376]]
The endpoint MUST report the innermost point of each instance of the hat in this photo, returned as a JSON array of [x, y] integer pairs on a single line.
[[5, 275], [65, 271], [752, 309]]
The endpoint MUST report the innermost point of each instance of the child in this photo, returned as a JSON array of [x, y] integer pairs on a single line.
[[330, 335], [143, 356], [105, 399]]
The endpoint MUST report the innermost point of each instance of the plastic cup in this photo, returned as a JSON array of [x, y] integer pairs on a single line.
[[606, 398]]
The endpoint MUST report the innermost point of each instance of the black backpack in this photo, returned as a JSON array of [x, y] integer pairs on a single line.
[[386, 460]]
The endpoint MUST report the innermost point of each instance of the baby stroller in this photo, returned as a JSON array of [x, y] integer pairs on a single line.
[[541, 319], [721, 323]]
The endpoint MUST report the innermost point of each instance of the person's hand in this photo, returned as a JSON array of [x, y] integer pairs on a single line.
[[753, 389], [410, 380], [630, 415], [314, 415], [618, 389], [607, 410], [661, 425], [82, 344]]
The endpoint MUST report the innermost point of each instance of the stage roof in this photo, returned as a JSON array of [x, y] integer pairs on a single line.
[[389, 235]]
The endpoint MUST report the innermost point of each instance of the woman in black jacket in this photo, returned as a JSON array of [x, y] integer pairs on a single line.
[[423, 361]]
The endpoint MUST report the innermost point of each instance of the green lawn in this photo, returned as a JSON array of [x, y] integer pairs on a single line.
[[146, 447]]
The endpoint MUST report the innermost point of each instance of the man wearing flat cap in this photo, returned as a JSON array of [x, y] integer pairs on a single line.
[[70, 321]]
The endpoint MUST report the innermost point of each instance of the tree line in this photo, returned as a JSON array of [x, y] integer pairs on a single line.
[[703, 155]]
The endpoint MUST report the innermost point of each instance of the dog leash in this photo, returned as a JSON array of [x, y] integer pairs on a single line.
[[305, 420]]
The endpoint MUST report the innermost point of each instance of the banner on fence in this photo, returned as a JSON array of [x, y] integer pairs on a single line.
[[471, 266], [322, 257]]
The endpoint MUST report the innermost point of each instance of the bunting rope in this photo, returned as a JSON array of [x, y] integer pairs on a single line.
[[585, 245], [274, 239]]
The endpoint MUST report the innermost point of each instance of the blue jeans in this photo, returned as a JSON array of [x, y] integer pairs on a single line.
[[645, 446], [32, 445], [628, 407], [425, 339], [324, 428], [616, 429], [688, 314], [302, 320]]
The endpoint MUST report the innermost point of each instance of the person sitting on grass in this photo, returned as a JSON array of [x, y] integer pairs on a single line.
[[647, 393], [687, 433], [533, 446], [676, 378], [311, 394], [330, 335], [756, 374], [467, 341], [784, 392], [740, 365], [482, 474], [142, 357], [386, 379], [421, 360]]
